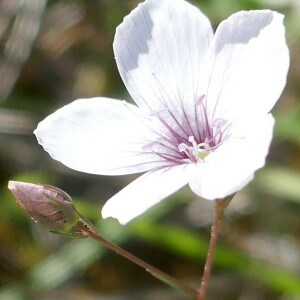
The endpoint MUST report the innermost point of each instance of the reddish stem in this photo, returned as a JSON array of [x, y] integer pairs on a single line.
[[153, 271], [219, 207]]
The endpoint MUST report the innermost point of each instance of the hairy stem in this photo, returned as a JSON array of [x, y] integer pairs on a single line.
[[219, 207]]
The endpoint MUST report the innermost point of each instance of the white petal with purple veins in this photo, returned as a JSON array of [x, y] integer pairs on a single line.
[[160, 49], [248, 64], [99, 136], [146, 191]]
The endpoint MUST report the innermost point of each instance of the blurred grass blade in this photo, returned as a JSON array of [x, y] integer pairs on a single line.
[[194, 247], [280, 182]]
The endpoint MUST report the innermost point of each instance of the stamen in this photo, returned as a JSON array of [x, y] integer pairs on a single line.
[[200, 99]]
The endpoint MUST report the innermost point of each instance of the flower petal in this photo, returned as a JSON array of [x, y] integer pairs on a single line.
[[99, 136], [146, 191], [249, 63], [232, 165], [160, 49]]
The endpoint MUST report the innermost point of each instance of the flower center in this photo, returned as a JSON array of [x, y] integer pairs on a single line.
[[193, 150], [188, 138]]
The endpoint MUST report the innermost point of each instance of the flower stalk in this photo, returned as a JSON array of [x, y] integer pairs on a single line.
[[171, 281], [219, 208]]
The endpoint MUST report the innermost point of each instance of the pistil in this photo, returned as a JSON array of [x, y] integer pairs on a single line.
[[194, 151]]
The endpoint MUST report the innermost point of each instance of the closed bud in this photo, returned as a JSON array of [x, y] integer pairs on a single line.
[[51, 207]]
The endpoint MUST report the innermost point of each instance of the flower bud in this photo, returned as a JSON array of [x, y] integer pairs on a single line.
[[50, 207]]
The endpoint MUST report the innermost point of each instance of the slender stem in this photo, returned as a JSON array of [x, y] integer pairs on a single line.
[[219, 207], [152, 270]]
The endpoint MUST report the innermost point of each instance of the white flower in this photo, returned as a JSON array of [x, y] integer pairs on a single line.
[[203, 103]]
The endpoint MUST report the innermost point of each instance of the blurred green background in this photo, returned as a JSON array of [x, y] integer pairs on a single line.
[[53, 52]]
